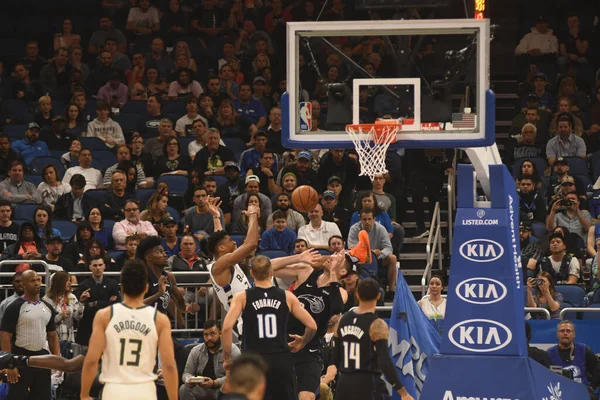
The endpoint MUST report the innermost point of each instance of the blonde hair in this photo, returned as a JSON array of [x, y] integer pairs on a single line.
[[45, 99]]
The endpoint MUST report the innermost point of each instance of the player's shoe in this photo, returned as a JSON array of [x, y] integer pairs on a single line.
[[10, 360], [362, 251]]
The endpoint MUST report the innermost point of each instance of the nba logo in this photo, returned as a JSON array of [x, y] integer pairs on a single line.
[[305, 116]]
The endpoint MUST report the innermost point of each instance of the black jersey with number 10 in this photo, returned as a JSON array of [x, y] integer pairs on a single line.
[[356, 349], [265, 321]]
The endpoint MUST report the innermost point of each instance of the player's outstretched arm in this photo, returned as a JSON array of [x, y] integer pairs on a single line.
[[379, 334], [167, 356], [303, 316], [310, 257], [49, 361], [235, 310], [96, 347]]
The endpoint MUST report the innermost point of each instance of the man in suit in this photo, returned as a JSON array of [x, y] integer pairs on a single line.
[[95, 293], [75, 205]]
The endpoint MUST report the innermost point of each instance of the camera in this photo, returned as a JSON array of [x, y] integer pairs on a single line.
[[538, 281], [566, 203]]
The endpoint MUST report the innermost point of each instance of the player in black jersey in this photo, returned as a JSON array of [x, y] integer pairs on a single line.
[[361, 351], [320, 293], [265, 311]]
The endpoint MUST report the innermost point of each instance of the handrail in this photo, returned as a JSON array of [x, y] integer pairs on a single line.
[[46, 272], [434, 245], [577, 309], [451, 202], [538, 310]]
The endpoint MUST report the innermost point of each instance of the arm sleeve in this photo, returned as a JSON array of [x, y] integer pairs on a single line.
[[386, 365], [335, 351], [335, 298]]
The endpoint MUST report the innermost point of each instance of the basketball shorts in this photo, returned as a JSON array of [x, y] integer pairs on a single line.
[[129, 391], [281, 378], [360, 386], [309, 369]]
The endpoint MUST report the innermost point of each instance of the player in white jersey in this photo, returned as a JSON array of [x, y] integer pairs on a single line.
[[127, 336], [226, 275]]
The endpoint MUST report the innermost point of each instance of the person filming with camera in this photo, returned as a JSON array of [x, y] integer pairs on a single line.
[[541, 293], [566, 212]]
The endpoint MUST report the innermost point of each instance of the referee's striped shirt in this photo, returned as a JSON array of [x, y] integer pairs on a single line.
[[28, 323]]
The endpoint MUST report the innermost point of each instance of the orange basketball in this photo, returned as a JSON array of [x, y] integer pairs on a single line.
[[305, 198]]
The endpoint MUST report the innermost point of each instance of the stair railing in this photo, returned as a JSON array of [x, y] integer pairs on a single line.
[[434, 246]]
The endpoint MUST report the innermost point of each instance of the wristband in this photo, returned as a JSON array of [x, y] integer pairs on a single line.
[[252, 213]]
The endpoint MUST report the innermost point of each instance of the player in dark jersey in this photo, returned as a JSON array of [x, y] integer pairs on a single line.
[[361, 351], [320, 293], [265, 311]]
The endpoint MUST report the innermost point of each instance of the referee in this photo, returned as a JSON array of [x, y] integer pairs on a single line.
[[26, 325]]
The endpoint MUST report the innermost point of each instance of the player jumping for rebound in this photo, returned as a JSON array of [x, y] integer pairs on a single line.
[[361, 351], [265, 311], [127, 336]]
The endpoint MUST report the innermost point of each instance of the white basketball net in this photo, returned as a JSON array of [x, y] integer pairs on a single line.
[[372, 148]]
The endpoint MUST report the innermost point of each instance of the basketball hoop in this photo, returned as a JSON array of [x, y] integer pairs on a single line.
[[371, 142]]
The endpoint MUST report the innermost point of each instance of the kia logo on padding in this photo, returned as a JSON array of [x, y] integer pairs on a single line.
[[480, 335], [481, 290], [481, 250]]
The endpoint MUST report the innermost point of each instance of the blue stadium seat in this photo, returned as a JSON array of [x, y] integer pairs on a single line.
[[592, 315], [178, 184], [106, 158], [38, 163], [596, 297], [595, 162], [11, 47], [577, 166], [238, 239], [35, 179], [135, 107], [25, 211], [15, 132], [235, 145], [143, 195], [57, 153], [184, 143], [92, 143], [114, 254], [67, 228], [108, 224], [17, 109], [58, 107], [98, 196], [373, 267], [174, 213], [572, 294], [128, 122], [174, 107], [539, 163], [220, 179], [273, 253], [324, 252]]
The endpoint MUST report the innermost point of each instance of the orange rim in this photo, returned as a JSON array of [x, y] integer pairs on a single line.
[[380, 130]]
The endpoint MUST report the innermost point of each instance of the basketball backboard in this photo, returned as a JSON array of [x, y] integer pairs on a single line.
[[434, 74]]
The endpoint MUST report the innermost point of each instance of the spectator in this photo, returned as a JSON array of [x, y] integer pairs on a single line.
[[251, 159], [277, 18], [528, 168], [294, 220], [184, 86], [170, 242], [94, 247], [565, 106], [540, 90], [101, 73], [567, 213], [333, 212], [131, 225], [229, 47], [199, 130], [28, 247], [138, 73], [18, 292], [151, 85], [576, 357], [16, 190], [252, 185], [156, 211], [69, 158], [9, 230], [206, 360], [155, 146], [232, 125], [57, 138], [303, 172], [43, 223], [250, 108], [104, 128], [279, 237], [538, 48], [76, 247], [579, 101], [300, 246], [55, 76], [32, 60], [7, 156], [545, 296], [531, 203], [249, 35], [94, 217], [143, 20], [560, 180], [318, 232], [258, 93], [93, 177], [159, 59], [274, 130], [187, 260], [115, 197], [27, 325], [174, 22], [172, 162], [23, 86], [199, 219], [433, 304], [380, 244], [336, 162], [526, 145], [367, 200], [229, 190], [66, 308], [95, 293], [114, 92], [76, 62], [120, 62], [131, 243], [210, 183], [73, 205], [336, 244], [229, 86], [149, 126], [541, 121], [66, 39], [239, 226], [215, 91], [124, 154], [562, 267], [208, 21], [211, 159], [574, 47], [31, 147], [53, 258], [266, 170], [185, 125], [565, 144], [98, 38]]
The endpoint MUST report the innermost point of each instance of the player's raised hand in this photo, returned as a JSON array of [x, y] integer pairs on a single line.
[[252, 209], [213, 204], [310, 256], [297, 344], [405, 395], [162, 284]]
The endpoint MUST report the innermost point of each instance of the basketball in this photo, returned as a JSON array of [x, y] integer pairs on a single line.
[[305, 198]]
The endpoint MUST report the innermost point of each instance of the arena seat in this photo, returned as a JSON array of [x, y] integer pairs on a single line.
[[273, 253], [572, 294], [67, 228]]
